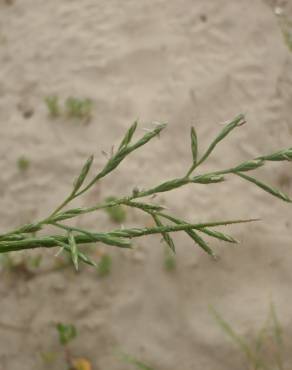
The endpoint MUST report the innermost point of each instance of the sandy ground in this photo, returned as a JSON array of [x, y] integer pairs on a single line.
[[182, 62]]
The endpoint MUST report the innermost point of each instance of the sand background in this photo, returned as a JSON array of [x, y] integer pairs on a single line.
[[182, 62]]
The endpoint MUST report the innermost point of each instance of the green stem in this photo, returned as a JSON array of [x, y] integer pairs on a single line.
[[111, 238]]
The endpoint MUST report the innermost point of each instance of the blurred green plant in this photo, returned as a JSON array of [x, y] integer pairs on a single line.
[[265, 351], [134, 361], [288, 38], [104, 265], [286, 28], [72, 238], [73, 107], [169, 260], [53, 106], [78, 108], [116, 213], [66, 332], [20, 263], [23, 163]]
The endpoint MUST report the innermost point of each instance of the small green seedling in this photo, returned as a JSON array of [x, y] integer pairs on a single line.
[[66, 333], [117, 213], [53, 106], [73, 107], [169, 260], [265, 352], [23, 163], [78, 108], [105, 265]]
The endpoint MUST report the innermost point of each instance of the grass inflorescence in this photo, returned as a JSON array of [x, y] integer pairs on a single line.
[[70, 239]]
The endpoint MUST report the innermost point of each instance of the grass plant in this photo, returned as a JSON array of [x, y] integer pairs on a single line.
[[265, 350], [78, 108], [70, 239]]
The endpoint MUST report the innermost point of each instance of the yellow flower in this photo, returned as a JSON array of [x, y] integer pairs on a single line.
[[81, 364]]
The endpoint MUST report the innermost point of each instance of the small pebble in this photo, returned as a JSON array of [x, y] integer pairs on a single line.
[[278, 10], [138, 256], [193, 264], [25, 109], [203, 18]]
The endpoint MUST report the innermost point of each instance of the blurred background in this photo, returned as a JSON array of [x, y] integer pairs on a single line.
[[74, 76]]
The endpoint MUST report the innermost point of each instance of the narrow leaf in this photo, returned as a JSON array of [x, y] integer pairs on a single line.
[[128, 136], [86, 259], [167, 238], [73, 248], [82, 256], [84, 172], [238, 121], [192, 234], [234, 336], [219, 235], [143, 206], [194, 145], [277, 193], [224, 223], [262, 336], [207, 224], [277, 329], [139, 365], [201, 243]]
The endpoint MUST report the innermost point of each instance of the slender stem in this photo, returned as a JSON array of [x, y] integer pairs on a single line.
[[192, 168], [61, 206], [50, 241]]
